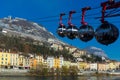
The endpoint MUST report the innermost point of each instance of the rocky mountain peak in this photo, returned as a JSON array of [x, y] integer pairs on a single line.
[[96, 51], [25, 27]]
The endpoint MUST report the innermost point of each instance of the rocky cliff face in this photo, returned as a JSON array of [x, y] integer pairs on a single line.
[[22, 27]]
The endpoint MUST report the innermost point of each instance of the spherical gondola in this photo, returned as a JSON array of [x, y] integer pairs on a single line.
[[107, 33], [61, 31], [85, 33], [72, 32]]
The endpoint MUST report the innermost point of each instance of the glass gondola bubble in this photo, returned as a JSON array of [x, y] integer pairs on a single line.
[[61, 31], [107, 33], [72, 32], [85, 33]]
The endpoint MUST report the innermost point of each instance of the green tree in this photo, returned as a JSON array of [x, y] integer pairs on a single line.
[[64, 70], [73, 70]]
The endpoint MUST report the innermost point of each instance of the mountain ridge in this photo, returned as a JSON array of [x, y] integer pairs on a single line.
[[25, 28], [96, 51]]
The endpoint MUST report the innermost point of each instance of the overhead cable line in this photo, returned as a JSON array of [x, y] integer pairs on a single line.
[[74, 17], [78, 17], [88, 16], [93, 14], [56, 16], [113, 11], [96, 8]]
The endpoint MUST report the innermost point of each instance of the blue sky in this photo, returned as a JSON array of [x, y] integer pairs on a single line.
[[33, 10]]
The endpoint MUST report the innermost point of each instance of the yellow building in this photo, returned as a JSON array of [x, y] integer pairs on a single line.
[[45, 64], [29, 61], [18, 60], [83, 65], [21, 60], [112, 66], [70, 48], [56, 63], [39, 59], [79, 53], [57, 46], [10, 60], [4, 59]]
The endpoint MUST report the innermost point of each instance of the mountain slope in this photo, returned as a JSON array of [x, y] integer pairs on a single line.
[[25, 28]]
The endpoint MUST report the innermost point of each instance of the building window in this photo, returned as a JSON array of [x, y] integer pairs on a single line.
[[1, 62], [6, 59], [2, 58]]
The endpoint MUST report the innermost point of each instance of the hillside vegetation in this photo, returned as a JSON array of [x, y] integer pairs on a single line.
[[27, 45]]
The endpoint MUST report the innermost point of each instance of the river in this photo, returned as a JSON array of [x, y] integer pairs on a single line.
[[62, 78]]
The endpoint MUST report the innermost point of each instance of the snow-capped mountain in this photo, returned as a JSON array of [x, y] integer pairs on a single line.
[[96, 51], [24, 28]]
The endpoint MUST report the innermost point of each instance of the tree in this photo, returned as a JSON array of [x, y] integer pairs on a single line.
[[58, 71], [41, 69], [65, 70], [73, 70]]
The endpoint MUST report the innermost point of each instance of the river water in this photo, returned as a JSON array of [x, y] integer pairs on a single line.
[[62, 78]]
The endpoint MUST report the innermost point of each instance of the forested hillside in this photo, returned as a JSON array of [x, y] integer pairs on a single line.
[[27, 45]]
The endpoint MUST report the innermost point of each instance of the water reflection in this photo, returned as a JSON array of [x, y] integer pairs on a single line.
[[63, 78]]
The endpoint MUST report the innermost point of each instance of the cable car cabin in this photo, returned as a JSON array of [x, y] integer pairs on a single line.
[[85, 33], [107, 33], [61, 31], [72, 32]]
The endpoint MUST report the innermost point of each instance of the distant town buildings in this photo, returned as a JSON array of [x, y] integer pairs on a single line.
[[10, 60], [14, 60]]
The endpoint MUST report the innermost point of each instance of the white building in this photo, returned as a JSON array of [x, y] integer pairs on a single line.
[[26, 62], [93, 66], [55, 62], [61, 61], [14, 59], [50, 61]]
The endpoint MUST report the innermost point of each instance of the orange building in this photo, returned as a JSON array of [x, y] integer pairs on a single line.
[[33, 63], [102, 66]]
